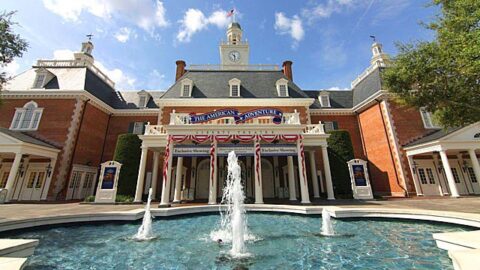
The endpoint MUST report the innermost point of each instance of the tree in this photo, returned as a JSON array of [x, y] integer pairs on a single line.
[[128, 152], [11, 44], [442, 75], [340, 150]]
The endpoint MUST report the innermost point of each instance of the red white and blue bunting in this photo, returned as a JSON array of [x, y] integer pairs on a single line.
[[241, 137]]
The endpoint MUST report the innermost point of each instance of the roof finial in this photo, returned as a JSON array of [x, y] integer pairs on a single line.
[[374, 38], [89, 36]]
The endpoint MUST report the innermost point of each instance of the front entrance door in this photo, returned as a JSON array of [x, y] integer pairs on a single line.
[[458, 177], [286, 189], [429, 181], [74, 189], [33, 185], [268, 187], [174, 180], [473, 179], [203, 178]]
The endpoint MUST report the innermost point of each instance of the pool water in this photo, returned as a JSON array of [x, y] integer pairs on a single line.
[[283, 242]]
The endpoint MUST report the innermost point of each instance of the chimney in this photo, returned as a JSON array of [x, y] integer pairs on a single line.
[[180, 69], [287, 69]]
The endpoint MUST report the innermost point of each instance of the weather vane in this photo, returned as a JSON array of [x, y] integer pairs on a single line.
[[374, 38], [89, 36]]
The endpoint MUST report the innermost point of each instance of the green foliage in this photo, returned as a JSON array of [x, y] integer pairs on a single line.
[[128, 153], [124, 199], [90, 198], [11, 44], [443, 75], [340, 150]]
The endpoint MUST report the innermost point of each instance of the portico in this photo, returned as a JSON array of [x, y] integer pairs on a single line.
[[272, 156], [446, 162]]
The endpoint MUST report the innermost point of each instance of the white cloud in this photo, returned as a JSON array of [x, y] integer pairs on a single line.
[[139, 12], [122, 80], [156, 80], [328, 8], [195, 21], [336, 88], [124, 34], [11, 69], [292, 27]]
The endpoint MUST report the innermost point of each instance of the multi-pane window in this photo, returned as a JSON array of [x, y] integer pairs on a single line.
[[41, 177], [283, 90], [75, 181], [330, 126], [456, 177], [235, 90], [143, 102], [431, 179], [27, 118], [186, 90], [324, 100], [471, 174], [138, 128], [423, 177], [39, 80]]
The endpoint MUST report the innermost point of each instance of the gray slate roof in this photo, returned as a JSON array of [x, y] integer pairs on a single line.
[[435, 135], [24, 137], [339, 99], [214, 84], [368, 86]]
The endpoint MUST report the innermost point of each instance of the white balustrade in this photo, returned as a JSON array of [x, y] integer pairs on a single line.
[[155, 130], [314, 129]]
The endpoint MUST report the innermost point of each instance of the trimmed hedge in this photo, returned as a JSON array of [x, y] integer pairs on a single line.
[[128, 153], [340, 150]]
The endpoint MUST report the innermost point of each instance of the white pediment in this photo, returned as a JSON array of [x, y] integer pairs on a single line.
[[8, 140], [468, 133]]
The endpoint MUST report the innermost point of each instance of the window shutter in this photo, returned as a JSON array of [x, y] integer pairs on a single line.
[[144, 127], [335, 125], [130, 127]]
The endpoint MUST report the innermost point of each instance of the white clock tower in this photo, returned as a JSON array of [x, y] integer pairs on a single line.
[[234, 52]]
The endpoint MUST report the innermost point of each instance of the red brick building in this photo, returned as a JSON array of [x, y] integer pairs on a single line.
[[60, 120]]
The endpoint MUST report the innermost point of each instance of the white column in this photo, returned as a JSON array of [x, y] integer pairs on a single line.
[[178, 181], [12, 175], [141, 175], [167, 174], [193, 175], [328, 176], [212, 195], [276, 173], [53, 162], [313, 172], [257, 168], [156, 159], [413, 171], [448, 172], [291, 179], [475, 164], [303, 174], [443, 190]]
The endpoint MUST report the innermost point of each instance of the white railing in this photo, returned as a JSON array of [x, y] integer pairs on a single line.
[[366, 72], [76, 63], [155, 130], [184, 119], [314, 129], [233, 67]]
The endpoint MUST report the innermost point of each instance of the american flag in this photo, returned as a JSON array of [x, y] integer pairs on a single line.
[[230, 13]]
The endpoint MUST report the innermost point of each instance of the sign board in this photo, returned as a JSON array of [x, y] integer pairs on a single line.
[[360, 180], [239, 117], [240, 150], [108, 182]]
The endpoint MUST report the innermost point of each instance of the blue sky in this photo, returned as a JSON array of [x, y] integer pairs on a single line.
[[138, 41]]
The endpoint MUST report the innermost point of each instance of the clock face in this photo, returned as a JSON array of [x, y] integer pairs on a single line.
[[234, 56]]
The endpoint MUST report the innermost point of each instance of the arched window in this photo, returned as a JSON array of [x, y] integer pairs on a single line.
[[27, 117]]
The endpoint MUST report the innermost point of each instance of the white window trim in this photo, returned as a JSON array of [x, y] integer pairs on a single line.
[[284, 82], [42, 86], [138, 128], [140, 105], [427, 123], [320, 99], [190, 86], [22, 111], [232, 83]]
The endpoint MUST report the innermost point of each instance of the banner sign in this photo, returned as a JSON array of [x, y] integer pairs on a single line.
[[239, 117], [240, 150]]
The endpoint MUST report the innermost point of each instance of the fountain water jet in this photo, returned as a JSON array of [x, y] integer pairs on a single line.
[[145, 231], [233, 226], [327, 227]]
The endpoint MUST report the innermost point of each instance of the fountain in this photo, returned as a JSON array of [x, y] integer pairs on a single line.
[[145, 231], [233, 226], [327, 227]]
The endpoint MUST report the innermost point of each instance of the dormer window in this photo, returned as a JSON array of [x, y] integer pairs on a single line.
[[186, 88], [27, 117], [142, 103], [324, 99], [428, 121], [282, 87], [234, 87], [39, 80]]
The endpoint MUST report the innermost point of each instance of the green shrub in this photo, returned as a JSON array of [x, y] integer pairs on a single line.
[[124, 199], [90, 198], [128, 153], [340, 150]]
